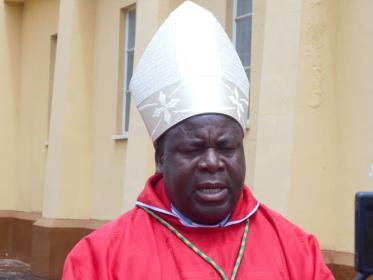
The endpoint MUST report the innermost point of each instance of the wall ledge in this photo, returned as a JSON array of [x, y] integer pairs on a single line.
[[338, 257], [30, 216], [70, 223]]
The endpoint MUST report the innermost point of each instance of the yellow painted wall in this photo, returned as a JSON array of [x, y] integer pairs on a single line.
[[10, 49], [69, 160], [38, 25], [258, 22], [313, 181], [334, 121], [354, 87], [139, 150], [276, 104], [109, 156]]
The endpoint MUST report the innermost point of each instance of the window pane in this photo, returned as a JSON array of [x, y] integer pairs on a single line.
[[131, 21], [248, 73], [127, 107], [129, 45], [244, 7], [243, 39], [129, 67]]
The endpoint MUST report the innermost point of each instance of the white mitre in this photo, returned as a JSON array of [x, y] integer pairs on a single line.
[[189, 68]]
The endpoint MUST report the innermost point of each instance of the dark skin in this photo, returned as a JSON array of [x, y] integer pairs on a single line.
[[203, 165]]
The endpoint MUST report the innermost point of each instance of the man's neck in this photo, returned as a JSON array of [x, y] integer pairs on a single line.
[[188, 222]]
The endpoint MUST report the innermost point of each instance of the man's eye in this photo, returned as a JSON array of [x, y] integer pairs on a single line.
[[189, 150], [228, 148]]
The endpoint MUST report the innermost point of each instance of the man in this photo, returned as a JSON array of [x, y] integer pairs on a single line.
[[195, 219]]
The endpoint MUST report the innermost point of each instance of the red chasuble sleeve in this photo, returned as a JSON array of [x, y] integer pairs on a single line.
[[71, 271], [295, 250], [310, 264], [321, 270], [87, 260]]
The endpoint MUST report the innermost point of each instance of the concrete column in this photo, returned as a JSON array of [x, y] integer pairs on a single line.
[[313, 183], [258, 24], [10, 47], [276, 104], [34, 97], [109, 162], [69, 162], [139, 163]]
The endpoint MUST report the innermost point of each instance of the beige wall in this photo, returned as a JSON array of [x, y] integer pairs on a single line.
[[69, 161], [354, 87], [276, 104], [10, 49], [26, 89], [308, 148], [34, 97], [313, 181], [258, 22], [109, 156], [140, 163]]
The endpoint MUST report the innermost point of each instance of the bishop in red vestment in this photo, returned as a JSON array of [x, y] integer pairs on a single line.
[[139, 246], [195, 219]]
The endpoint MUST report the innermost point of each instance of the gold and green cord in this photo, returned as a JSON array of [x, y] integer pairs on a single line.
[[199, 252]]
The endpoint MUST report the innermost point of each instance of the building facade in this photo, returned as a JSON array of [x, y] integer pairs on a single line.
[[75, 153]]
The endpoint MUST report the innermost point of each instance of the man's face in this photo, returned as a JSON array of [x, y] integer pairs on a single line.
[[203, 165]]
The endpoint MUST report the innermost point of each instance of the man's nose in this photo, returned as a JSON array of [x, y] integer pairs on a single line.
[[211, 161]]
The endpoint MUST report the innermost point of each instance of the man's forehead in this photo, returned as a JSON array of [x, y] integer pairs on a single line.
[[203, 123]]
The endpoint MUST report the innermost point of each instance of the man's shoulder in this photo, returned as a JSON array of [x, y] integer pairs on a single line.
[[112, 226], [110, 233], [279, 221], [94, 254], [299, 248], [287, 231]]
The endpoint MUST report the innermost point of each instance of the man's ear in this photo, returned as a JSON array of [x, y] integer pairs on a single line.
[[159, 158]]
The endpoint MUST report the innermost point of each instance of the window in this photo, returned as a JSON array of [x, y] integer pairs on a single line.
[[242, 21], [129, 51], [52, 61]]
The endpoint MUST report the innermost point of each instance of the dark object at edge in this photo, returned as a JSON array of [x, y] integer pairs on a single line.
[[364, 234]]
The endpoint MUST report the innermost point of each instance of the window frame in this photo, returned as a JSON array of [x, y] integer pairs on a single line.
[[124, 95], [52, 65], [234, 30]]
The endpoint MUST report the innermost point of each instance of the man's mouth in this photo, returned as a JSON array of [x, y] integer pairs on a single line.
[[212, 192]]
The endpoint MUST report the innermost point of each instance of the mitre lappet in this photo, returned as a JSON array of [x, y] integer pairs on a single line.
[[190, 67]]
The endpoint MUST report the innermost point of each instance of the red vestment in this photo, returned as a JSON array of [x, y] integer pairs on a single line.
[[137, 246]]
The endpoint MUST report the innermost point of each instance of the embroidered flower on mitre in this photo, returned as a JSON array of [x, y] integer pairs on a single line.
[[164, 107], [238, 102]]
